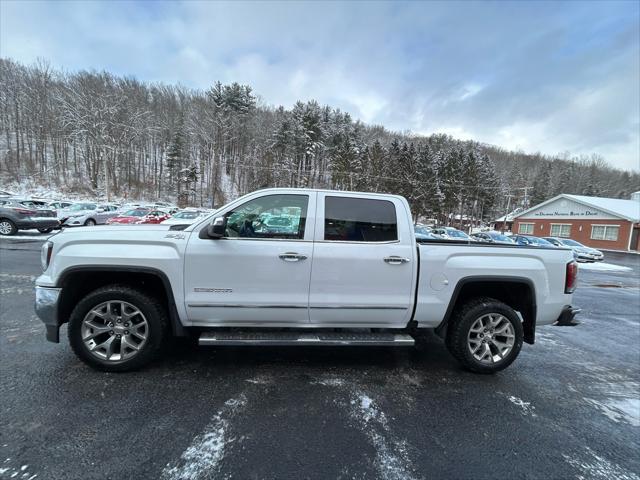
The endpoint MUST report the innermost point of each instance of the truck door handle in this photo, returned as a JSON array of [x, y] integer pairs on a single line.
[[395, 260], [292, 257]]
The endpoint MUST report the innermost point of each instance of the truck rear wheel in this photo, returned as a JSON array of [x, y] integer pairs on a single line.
[[117, 328], [485, 335]]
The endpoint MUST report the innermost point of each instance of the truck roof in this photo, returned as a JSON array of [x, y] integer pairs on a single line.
[[323, 190]]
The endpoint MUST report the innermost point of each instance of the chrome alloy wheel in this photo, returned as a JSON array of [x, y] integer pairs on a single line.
[[114, 331], [5, 227], [491, 338]]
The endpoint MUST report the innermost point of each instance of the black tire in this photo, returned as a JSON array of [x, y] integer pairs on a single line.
[[45, 230], [460, 325], [151, 308], [89, 222], [8, 227]]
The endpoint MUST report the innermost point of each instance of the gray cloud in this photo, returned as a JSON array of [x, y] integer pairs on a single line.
[[540, 76]]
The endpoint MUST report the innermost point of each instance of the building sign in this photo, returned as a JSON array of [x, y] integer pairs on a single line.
[[567, 209], [556, 213]]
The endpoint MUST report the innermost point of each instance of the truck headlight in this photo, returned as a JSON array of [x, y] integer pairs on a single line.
[[45, 255]]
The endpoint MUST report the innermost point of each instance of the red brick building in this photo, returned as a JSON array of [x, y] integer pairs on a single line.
[[605, 223]]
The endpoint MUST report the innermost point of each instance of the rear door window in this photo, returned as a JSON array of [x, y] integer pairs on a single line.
[[351, 219]]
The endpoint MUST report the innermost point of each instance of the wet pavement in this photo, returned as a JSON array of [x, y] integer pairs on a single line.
[[569, 407]]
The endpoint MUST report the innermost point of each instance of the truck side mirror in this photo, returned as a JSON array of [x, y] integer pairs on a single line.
[[216, 229]]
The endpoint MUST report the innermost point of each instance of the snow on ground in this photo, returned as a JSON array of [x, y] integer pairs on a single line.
[[604, 267], [202, 458], [613, 393], [594, 466], [392, 453], [26, 236], [18, 472], [526, 407]]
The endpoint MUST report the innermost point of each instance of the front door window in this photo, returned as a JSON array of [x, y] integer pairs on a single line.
[[271, 216]]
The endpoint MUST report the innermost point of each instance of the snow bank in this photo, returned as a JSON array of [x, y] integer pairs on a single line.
[[604, 267]]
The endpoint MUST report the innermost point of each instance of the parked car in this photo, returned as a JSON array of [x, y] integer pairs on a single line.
[[184, 217], [154, 217], [129, 217], [278, 224], [16, 214], [368, 274], [451, 233], [423, 233], [493, 236], [531, 241], [581, 252], [60, 205], [87, 214]]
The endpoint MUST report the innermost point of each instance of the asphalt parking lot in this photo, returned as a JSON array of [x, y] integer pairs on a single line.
[[569, 407]]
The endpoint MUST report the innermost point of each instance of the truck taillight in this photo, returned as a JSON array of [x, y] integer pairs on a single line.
[[571, 279]]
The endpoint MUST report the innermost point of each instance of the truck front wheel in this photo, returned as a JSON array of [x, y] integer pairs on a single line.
[[117, 328], [485, 335]]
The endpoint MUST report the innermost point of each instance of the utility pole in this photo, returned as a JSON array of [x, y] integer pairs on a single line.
[[504, 222], [526, 197]]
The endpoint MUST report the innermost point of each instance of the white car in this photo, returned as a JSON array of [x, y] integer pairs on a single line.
[[86, 214], [451, 233], [349, 273], [184, 217]]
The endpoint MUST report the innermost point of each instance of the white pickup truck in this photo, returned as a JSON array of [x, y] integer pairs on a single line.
[[297, 267]]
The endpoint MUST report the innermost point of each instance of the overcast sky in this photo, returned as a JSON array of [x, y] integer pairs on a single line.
[[540, 76]]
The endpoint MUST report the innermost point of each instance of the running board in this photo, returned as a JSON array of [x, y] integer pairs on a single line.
[[327, 339]]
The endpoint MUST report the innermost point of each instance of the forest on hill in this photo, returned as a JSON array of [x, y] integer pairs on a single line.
[[98, 134]]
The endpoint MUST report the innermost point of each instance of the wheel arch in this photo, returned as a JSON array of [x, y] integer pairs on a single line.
[[517, 292], [77, 282]]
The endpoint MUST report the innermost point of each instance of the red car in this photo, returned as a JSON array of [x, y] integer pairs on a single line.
[[130, 216], [154, 216]]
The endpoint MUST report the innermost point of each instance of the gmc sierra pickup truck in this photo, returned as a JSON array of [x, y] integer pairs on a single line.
[[297, 267]]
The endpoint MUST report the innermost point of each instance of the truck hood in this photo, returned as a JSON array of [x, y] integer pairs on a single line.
[[104, 231]]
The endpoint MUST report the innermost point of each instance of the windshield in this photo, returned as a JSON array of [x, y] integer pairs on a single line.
[[422, 230], [540, 241], [498, 237], [135, 213], [82, 206], [571, 243], [187, 215], [457, 234]]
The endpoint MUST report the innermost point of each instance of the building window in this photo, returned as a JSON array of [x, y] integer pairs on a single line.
[[605, 232], [525, 228], [561, 230]]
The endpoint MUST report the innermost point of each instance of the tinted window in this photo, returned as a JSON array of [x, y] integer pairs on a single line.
[[254, 219], [359, 220]]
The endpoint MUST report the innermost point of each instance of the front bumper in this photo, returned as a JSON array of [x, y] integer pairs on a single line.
[[72, 221], [567, 317], [47, 309]]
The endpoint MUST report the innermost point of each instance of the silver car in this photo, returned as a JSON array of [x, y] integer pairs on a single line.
[[581, 252], [85, 213], [16, 214]]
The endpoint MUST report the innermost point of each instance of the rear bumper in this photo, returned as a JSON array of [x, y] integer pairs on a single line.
[[47, 310], [567, 317]]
